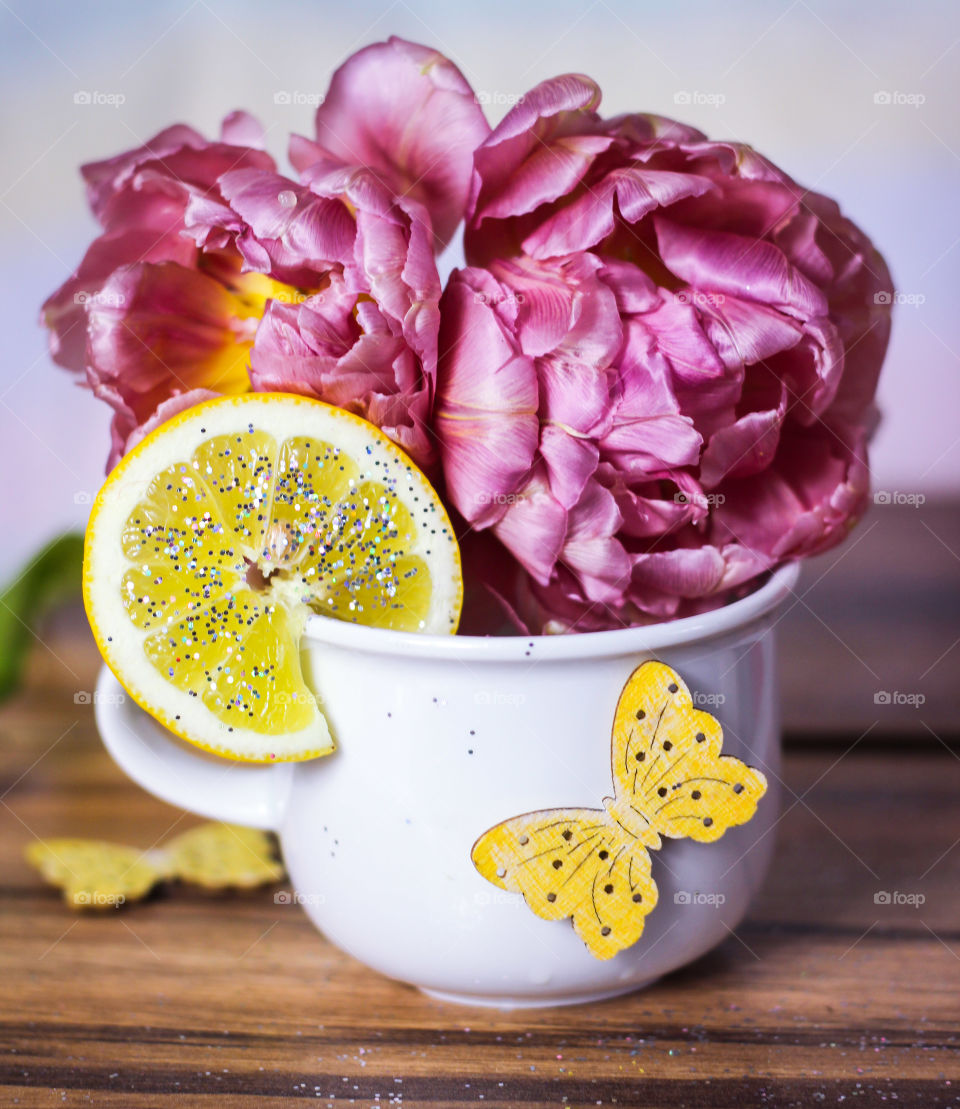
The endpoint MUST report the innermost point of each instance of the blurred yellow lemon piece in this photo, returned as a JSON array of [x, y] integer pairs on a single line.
[[95, 874]]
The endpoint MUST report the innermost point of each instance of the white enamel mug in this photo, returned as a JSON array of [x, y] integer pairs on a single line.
[[440, 738]]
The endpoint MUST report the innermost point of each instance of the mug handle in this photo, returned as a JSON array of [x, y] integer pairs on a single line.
[[234, 792]]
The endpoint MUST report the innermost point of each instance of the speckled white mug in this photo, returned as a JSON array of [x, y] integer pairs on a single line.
[[438, 739]]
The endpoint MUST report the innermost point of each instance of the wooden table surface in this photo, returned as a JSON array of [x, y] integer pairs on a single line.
[[823, 996]]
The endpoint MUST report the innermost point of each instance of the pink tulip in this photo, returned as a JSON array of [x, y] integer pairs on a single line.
[[657, 373], [149, 320], [407, 114], [361, 332], [215, 274]]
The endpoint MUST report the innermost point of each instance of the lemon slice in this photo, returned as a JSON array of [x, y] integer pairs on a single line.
[[213, 541]]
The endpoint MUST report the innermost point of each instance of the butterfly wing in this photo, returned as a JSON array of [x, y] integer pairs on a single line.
[[573, 863], [218, 856], [94, 874], [667, 761], [622, 893]]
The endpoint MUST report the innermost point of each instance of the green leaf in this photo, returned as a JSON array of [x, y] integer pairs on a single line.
[[54, 576]]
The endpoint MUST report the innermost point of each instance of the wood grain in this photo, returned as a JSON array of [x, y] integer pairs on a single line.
[[880, 613], [823, 996]]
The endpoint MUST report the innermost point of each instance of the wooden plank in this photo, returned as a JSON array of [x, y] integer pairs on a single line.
[[879, 614]]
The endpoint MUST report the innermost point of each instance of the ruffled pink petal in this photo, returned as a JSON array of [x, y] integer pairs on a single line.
[[563, 310], [160, 329], [798, 237], [533, 528], [642, 445], [647, 423], [749, 268], [548, 172], [487, 396], [544, 304], [661, 578], [633, 289], [283, 227], [548, 113], [805, 503], [392, 258], [578, 398], [591, 550], [65, 311], [749, 444], [239, 128], [671, 343], [547, 103], [629, 193], [647, 134], [758, 208], [690, 580], [407, 113], [153, 189], [559, 608], [668, 501], [570, 462], [293, 331], [319, 349], [743, 331], [812, 370], [734, 160], [394, 255], [107, 177]]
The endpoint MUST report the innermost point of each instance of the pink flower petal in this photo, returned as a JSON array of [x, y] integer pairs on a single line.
[[812, 370], [239, 128], [318, 348], [485, 413], [548, 172], [629, 193], [633, 289], [729, 263], [749, 444], [548, 113], [570, 462], [668, 501], [675, 574], [647, 423], [806, 502], [407, 113], [577, 398], [563, 309], [744, 332], [533, 528], [285, 227], [592, 551], [65, 311], [161, 328], [671, 343], [104, 179]]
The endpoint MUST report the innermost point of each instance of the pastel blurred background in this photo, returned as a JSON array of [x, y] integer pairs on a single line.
[[858, 100]]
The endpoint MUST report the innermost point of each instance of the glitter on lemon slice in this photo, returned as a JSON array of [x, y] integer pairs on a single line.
[[214, 540]]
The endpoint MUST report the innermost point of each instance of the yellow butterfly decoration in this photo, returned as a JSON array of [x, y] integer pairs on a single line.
[[94, 874], [669, 779]]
